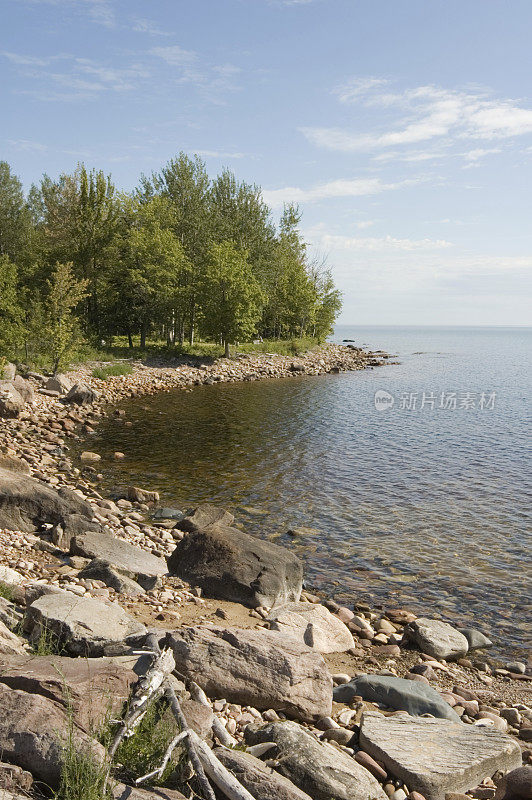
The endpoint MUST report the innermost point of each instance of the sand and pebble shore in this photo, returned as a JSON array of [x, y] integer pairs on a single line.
[[482, 695]]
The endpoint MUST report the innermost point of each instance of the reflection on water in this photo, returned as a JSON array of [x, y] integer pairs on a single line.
[[419, 508]]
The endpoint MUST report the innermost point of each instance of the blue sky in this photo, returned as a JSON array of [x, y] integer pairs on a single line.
[[403, 128]]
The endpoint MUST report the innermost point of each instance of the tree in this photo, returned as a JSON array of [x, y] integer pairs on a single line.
[[65, 293], [11, 314], [15, 219], [329, 300], [231, 295]]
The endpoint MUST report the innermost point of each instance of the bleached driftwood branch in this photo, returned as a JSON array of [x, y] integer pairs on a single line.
[[223, 735], [219, 774]]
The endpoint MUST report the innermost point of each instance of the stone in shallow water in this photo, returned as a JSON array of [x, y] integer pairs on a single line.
[[436, 638], [398, 693], [475, 639], [435, 756]]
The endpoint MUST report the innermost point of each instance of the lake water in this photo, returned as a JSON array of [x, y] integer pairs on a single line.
[[423, 503]]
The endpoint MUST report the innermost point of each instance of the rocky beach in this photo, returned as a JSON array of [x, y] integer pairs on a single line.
[[278, 691]]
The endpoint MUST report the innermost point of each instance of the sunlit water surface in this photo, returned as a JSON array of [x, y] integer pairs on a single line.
[[418, 507]]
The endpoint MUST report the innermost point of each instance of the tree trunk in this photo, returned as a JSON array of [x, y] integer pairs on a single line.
[[143, 337], [227, 350], [129, 339]]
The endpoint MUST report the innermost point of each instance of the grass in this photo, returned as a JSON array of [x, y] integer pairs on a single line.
[[82, 776], [48, 643], [112, 370], [6, 591], [144, 751]]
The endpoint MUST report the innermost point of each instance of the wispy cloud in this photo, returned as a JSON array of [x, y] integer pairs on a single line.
[[26, 146], [149, 27], [211, 79], [218, 154], [99, 11], [381, 244], [342, 187], [423, 114]]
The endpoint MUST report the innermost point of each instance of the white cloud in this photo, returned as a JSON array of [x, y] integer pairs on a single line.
[[381, 244], [25, 61], [175, 56], [211, 80], [342, 187], [423, 114], [218, 154], [27, 146], [146, 26]]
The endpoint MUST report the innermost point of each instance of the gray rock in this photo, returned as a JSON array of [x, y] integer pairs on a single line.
[[260, 668], [13, 779], [10, 643], [263, 782], [33, 733], [475, 639], [83, 625], [312, 624], [14, 464], [100, 570], [92, 688], [397, 693], [168, 513], [11, 402], [122, 792], [10, 615], [203, 516], [436, 638], [9, 576], [59, 383], [24, 388], [435, 756], [26, 504], [232, 565], [319, 769], [145, 568], [81, 395]]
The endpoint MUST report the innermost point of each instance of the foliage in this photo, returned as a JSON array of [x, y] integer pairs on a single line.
[[65, 293], [6, 591], [181, 258], [231, 295], [82, 776], [111, 370], [47, 643], [144, 750]]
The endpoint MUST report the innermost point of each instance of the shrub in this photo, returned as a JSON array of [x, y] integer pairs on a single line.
[[6, 591], [144, 751]]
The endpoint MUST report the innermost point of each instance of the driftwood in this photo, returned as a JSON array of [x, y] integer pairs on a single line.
[[152, 686]]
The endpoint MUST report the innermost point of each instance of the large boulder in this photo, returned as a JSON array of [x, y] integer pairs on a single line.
[[34, 732], [319, 769], [144, 568], [10, 643], [259, 668], [312, 624], [81, 395], [435, 756], [24, 388], [99, 570], [11, 402], [58, 383], [92, 688], [397, 693], [81, 625], [436, 638], [203, 517], [232, 565], [26, 504], [263, 782]]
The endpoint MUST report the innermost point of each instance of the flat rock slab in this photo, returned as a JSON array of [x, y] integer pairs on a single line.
[[260, 668], [263, 782], [231, 565], [26, 504], [397, 693], [137, 564], [33, 733], [312, 624], [320, 770], [83, 625], [123, 792], [435, 756], [93, 688], [436, 638], [203, 516]]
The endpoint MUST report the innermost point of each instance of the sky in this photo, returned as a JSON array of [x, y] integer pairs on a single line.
[[402, 128]]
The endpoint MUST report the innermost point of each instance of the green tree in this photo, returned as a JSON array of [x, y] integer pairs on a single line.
[[231, 295], [151, 281], [65, 293], [15, 218], [11, 314], [329, 301]]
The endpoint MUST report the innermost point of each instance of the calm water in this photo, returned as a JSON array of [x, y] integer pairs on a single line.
[[424, 507]]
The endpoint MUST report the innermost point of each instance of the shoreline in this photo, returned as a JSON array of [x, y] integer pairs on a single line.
[[36, 444]]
